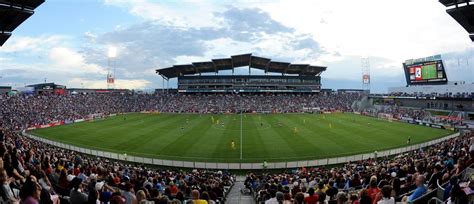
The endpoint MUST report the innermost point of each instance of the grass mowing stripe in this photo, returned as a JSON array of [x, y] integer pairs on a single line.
[[276, 141], [194, 137], [225, 137]]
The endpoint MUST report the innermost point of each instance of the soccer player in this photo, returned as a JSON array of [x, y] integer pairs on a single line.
[[232, 145], [409, 140], [295, 130]]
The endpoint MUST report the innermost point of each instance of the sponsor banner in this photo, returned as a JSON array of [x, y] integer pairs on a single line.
[[357, 113], [79, 120], [112, 115], [68, 121], [440, 126], [44, 126], [326, 112], [56, 123], [31, 128]]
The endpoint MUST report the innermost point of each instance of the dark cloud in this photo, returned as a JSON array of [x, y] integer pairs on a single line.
[[151, 45], [248, 24], [252, 20]]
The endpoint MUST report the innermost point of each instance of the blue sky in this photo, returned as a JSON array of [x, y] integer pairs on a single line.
[[67, 41]]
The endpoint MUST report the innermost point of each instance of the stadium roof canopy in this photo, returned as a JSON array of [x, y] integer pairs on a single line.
[[13, 13], [463, 12], [244, 60]]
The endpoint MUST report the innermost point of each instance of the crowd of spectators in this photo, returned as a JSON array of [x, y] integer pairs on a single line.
[[445, 95], [22, 111], [413, 115], [33, 172], [280, 103], [401, 112], [380, 180]]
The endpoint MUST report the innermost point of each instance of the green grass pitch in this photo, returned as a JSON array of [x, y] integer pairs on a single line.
[[271, 137]]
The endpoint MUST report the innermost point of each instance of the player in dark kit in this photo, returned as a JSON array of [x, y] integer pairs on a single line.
[[409, 140]]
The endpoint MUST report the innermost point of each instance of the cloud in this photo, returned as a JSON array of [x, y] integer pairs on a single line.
[[286, 30], [66, 59], [329, 33], [32, 44], [366, 27], [459, 65], [250, 19], [152, 44], [175, 13], [34, 59], [101, 84]]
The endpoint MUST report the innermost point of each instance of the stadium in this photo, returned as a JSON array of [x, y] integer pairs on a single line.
[[246, 127]]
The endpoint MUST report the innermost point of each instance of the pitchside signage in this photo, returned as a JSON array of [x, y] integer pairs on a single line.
[[424, 71]]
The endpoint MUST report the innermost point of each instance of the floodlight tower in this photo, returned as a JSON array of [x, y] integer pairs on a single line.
[[365, 65], [111, 54]]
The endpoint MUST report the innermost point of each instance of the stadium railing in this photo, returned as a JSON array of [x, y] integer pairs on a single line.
[[247, 166]]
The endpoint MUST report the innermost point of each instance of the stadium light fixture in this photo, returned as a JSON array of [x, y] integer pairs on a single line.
[[112, 52]]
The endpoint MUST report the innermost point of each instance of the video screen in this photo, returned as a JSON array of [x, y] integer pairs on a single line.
[[425, 72]]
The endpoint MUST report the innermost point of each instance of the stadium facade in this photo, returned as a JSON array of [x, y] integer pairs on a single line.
[[13, 14], [279, 77]]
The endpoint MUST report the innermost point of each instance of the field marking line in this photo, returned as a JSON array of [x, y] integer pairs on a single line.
[[241, 132], [351, 153]]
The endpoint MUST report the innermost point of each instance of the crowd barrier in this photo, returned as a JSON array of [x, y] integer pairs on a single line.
[[246, 166]]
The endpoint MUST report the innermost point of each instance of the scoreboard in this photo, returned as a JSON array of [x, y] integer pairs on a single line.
[[429, 70]]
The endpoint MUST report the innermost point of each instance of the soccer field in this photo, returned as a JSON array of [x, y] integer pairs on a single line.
[[273, 137]]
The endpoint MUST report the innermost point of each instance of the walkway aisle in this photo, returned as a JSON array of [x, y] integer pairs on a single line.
[[235, 197]]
